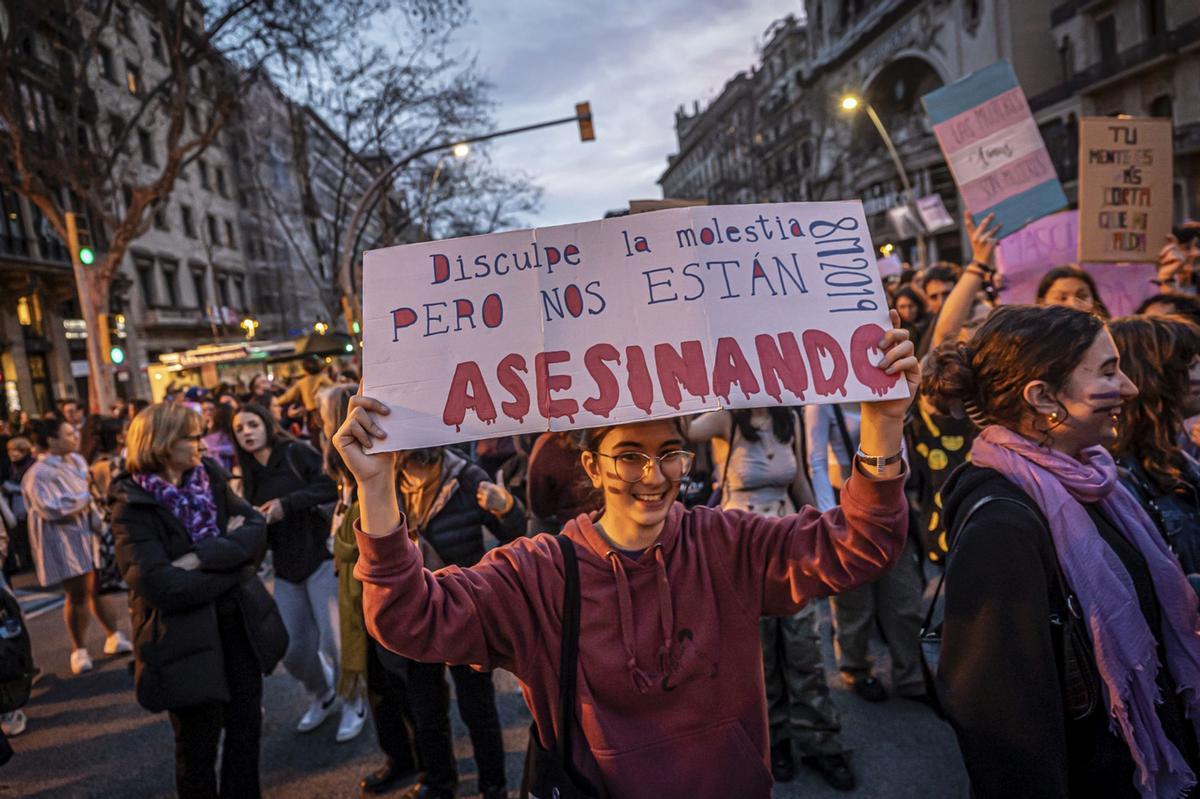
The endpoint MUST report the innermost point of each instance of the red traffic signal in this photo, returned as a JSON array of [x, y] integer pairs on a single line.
[[583, 114]]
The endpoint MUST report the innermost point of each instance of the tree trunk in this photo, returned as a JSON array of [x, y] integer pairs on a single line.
[[93, 301]]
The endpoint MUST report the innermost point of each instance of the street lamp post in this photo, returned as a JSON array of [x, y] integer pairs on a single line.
[[459, 151], [850, 103], [582, 117]]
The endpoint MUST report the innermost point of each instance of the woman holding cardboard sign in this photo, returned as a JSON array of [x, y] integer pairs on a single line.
[[667, 695]]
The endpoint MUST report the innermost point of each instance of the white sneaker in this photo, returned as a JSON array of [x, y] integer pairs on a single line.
[[81, 661], [317, 712], [13, 723], [354, 716], [117, 644]]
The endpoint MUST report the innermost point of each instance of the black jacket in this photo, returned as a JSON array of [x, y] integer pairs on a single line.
[[294, 475], [1001, 675], [453, 525], [177, 614]]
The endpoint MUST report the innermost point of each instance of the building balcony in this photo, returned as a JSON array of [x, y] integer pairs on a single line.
[[1121, 64]]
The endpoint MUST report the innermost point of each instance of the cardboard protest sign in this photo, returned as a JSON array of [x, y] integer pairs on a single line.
[[933, 213], [1125, 192], [625, 319], [1024, 257], [994, 148]]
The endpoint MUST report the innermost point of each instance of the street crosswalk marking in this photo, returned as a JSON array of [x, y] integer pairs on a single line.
[[35, 602]]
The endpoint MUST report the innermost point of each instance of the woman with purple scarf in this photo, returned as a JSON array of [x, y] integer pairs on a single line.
[[205, 628], [1071, 654]]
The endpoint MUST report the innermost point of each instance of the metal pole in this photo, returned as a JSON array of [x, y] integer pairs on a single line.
[[347, 255], [912, 200]]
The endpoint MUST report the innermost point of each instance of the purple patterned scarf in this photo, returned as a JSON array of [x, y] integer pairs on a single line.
[[1126, 654], [192, 502]]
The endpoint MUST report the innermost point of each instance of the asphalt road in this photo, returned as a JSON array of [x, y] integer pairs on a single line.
[[87, 737]]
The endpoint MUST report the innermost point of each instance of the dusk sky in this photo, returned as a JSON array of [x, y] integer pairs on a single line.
[[635, 60]]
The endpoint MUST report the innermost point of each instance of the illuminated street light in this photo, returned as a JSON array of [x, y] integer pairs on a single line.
[[321, 327], [850, 104], [887, 249], [461, 150], [249, 324]]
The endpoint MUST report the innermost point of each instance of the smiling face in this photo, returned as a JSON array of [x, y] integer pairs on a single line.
[[250, 432], [1072, 293], [1092, 398], [645, 503]]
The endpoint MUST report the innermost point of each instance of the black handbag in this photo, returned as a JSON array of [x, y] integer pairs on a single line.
[[1081, 683], [549, 773]]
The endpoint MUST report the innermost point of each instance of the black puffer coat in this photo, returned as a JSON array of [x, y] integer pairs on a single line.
[[177, 613], [451, 532]]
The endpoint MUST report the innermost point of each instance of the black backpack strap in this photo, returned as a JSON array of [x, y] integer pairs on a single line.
[[569, 658]]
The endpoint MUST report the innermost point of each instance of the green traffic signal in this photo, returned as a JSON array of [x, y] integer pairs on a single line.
[[87, 256], [117, 355]]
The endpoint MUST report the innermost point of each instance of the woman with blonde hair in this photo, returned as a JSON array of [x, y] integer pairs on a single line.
[[205, 628]]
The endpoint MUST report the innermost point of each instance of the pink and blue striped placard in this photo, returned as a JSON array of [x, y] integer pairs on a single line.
[[994, 148]]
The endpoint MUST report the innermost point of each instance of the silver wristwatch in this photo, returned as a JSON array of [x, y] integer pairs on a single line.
[[877, 462]]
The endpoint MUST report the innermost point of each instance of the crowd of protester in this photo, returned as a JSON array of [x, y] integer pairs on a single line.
[[1046, 471]]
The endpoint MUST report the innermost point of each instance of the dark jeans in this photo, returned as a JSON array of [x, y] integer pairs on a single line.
[[429, 697], [387, 691], [198, 729]]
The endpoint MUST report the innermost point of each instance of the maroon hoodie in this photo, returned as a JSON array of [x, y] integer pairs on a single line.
[[670, 689]]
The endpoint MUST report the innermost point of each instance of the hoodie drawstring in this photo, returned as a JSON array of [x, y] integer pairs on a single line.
[[642, 681]]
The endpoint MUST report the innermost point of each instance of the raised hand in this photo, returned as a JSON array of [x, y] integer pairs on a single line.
[[983, 240], [493, 498], [899, 357], [374, 473], [360, 432]]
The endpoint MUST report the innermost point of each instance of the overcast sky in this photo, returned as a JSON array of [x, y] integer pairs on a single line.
[[635, 60]]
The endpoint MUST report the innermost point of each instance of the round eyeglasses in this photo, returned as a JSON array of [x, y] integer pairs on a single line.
[[633, 467]]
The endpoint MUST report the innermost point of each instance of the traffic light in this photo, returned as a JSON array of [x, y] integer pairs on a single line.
[[111, 331], [583, 113], [79, 240]]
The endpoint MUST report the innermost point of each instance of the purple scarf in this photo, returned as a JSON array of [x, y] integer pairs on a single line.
[[192, 502], [1126, 655]]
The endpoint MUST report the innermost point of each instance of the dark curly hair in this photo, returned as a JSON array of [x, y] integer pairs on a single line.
[[1016, 345], [1160, 350]]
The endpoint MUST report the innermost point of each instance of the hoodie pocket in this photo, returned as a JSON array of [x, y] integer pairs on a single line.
[[714, 762]]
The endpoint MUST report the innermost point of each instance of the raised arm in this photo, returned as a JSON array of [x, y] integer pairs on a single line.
[[957, 308], [781, 563], [481, 616]]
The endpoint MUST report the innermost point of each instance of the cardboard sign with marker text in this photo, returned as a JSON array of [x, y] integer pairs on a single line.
[[1125, 192], [994, 148], [626, 319]]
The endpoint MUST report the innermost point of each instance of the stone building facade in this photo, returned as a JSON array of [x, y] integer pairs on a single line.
[[1083, 57], [211, 255]]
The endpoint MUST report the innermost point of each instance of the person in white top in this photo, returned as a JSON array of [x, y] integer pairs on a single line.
[[892, 602], [62, 525]]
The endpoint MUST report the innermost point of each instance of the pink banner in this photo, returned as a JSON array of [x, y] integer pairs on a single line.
[[983, 120], [1024, 257]]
